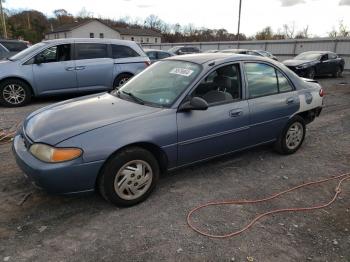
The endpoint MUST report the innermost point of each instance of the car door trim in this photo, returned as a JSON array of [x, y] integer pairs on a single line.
[[203, 138]]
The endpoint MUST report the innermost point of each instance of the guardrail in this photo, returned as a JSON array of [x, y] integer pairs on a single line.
[[282, 49]]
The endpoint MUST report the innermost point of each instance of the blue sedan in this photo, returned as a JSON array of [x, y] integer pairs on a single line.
[[179, 111]]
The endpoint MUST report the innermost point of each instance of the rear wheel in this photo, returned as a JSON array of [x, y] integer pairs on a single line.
[[129, 177], [292, 136], [14, 93], [121, 79]]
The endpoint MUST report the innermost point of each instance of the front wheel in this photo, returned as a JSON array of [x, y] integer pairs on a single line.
[[129, 177], [120, 80], [312, 73], [14, 93], [338, 72], [292, 136]]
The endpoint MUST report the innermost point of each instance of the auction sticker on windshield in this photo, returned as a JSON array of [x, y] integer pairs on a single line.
[[181, 71]]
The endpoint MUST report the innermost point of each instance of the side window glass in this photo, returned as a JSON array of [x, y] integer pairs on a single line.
[[55, 54], [122, 51], [152, 55], [283, 83], [220, 86], [91, 51], [162, 55], [262, 79]]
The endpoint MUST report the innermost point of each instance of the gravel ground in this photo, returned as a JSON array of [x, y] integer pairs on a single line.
[[35, 226]]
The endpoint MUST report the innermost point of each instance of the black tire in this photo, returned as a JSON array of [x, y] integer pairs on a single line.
[[281, 144], [108, 175], [20, 85], [311, 73], [338, 72], [121, 80]]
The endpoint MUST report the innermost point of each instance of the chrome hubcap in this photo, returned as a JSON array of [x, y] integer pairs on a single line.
[[133, 179], [14, 94], [294, 135], [123, 81]]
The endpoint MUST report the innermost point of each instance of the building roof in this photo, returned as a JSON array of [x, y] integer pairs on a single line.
[[138, 31], [122, 31]]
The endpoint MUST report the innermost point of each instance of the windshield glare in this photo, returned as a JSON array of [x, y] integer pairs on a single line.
[[27, 51], [163, 82], [308, 56]]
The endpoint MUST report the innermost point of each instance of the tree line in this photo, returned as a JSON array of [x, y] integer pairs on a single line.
[[31, 25]]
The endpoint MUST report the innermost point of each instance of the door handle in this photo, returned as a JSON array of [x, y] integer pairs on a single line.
[[236, 113], [290, 100], [70, 68], [80, 67]]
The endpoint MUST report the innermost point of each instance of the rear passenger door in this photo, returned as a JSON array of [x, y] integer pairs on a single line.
[[272, 101], [127, 60], [94, 66]]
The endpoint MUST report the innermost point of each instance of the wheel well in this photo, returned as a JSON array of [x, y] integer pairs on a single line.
[[156, 151], [125, 73], [308, 116], [18, 78]]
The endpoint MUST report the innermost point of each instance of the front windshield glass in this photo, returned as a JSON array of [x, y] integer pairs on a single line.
[[308, 56], [162, 83], [27, 51]]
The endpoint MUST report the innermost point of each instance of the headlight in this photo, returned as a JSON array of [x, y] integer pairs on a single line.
[[51, 154]]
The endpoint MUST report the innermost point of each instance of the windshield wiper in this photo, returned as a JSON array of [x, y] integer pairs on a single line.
[[138, 100]]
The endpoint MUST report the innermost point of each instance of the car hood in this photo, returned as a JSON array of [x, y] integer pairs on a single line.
[[58, 122], [293, 62]]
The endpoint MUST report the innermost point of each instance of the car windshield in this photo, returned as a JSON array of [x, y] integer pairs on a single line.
[[162, 83], [308, 56], [173, 49], [14, 46], [27, 51]]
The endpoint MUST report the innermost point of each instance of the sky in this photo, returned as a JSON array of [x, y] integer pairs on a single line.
[[320, 15]]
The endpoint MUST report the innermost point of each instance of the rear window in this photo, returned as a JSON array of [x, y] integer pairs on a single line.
[[14, 46], [91, 51], [122, 51]]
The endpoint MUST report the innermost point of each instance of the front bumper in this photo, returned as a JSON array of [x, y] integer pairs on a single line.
[[300, 72], [62, 178]]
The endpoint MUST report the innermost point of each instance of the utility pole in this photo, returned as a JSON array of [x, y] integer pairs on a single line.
[[239, 21], [3, 20]]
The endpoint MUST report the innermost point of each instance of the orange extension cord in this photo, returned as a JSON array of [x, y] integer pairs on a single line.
[[341, 179]]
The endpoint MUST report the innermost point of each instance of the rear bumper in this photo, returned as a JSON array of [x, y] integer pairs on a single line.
[[62, 178]]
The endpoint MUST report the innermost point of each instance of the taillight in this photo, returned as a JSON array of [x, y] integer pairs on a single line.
[[321, 93], [147, 63]]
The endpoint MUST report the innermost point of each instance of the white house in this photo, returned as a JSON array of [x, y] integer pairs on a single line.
[[97, 29]]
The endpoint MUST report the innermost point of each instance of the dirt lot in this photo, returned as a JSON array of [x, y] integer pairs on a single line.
[[86, 228]]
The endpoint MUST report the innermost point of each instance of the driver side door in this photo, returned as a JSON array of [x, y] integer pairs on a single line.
[[54, 70], [220, 129]]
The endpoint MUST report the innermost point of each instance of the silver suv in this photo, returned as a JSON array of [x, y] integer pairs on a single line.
[[69, 66]]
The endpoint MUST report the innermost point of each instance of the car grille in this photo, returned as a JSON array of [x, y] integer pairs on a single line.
[[27, 142]]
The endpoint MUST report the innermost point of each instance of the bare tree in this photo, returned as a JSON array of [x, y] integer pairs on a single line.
[[289, 30]]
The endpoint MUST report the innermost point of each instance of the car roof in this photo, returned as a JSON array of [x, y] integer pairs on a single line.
[[154, 50], [316, 52], [90, 40], [218, 58]]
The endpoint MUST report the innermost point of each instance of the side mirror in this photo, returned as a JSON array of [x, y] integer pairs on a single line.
[[196, 103], [39, 59]]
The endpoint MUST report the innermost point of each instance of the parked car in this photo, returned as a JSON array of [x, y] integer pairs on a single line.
[[155, 55], [316, 63], [68, 65], [184, 50], [179, 111], [10, 47], [250, 52]]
